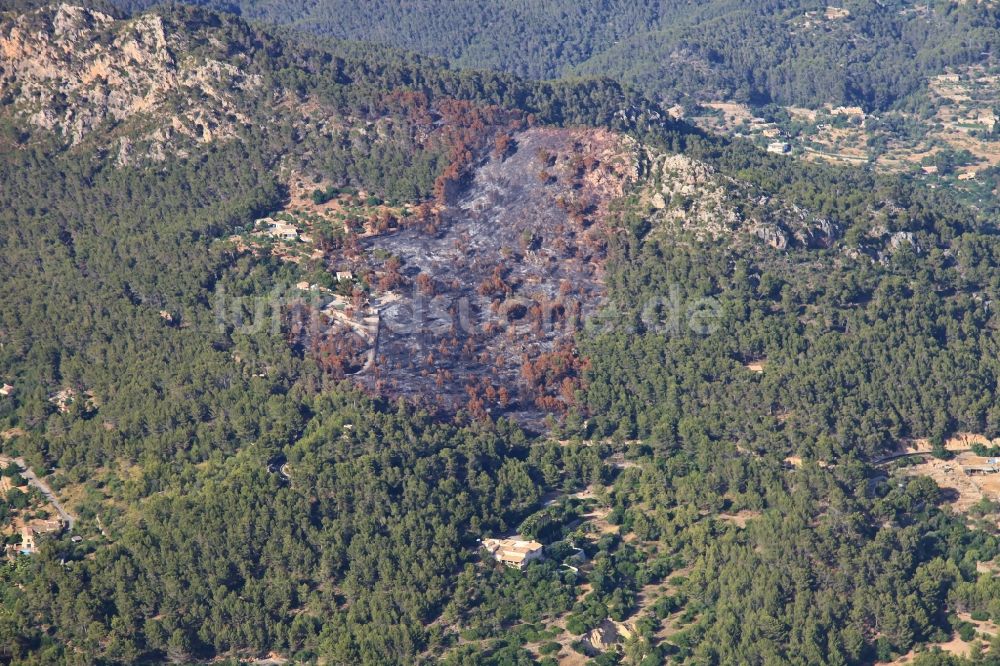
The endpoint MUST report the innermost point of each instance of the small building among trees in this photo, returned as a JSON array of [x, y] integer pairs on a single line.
[[514, 552]]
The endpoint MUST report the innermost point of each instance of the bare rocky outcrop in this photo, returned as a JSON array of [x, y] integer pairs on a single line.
[[607, 635], [693, 196], [771, 234], [901, 239], [70, 70]]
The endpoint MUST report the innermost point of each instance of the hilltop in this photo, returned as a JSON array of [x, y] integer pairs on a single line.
[[899, 86], [474, 260]]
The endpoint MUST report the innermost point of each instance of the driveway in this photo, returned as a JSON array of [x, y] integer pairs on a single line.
[[44, 488]]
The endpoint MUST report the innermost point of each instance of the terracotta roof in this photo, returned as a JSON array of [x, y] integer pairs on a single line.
[[512, 550]]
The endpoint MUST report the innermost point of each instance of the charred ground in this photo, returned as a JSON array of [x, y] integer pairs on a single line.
[[486, 297]]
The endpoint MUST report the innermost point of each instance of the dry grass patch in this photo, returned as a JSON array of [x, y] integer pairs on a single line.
[[740, 518], [956, 647], [962, 493], [11, 433]]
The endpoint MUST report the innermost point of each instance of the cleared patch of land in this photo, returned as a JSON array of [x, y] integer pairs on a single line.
[[952, 140], [962, 492], [470, 302]]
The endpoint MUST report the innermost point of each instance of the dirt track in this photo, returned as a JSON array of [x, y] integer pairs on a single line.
[[44, 488]]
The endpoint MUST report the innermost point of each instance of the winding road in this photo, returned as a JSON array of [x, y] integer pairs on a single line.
[[44, 488], [911, 454]]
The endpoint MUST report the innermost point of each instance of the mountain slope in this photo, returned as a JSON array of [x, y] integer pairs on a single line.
[[731, 341], [794, 53]]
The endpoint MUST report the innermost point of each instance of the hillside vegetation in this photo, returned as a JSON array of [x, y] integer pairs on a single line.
[[801, 52], [701, 456]]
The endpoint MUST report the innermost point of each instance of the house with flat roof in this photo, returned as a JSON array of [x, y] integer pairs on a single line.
[[973, 465], [514, 552]]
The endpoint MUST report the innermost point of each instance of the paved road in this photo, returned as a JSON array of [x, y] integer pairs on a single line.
[[44, 488], [911, 454]]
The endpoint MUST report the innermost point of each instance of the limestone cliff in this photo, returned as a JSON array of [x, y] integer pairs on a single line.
[[72, 70]]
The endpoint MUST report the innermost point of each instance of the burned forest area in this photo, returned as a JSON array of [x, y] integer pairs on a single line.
[[474, 300], [326, 349]]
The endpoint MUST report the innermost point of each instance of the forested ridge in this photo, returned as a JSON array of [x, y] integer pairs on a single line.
[[234, 499], [875, 54]]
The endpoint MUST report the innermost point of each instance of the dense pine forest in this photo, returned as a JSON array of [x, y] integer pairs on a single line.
[[717, 490], [873, 54]]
